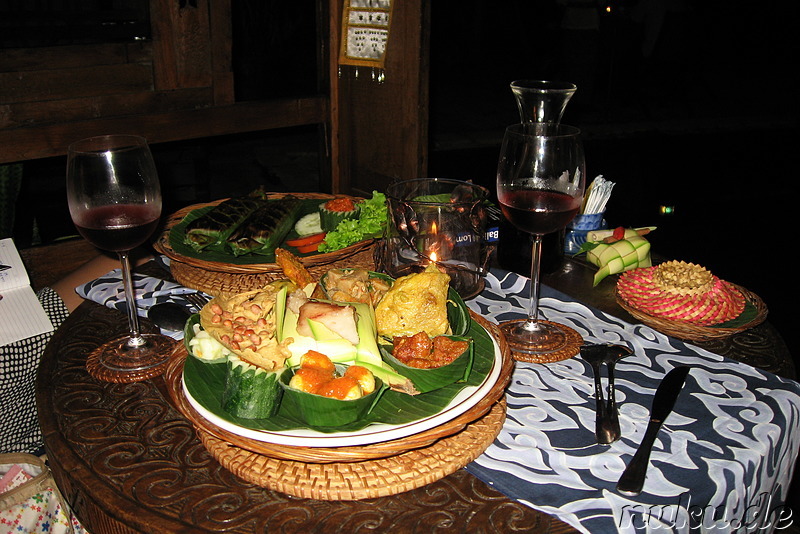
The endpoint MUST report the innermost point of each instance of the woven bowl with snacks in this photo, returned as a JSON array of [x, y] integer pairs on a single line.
[[687, 301], [214, 274]]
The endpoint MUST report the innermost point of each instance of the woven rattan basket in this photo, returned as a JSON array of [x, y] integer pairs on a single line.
[[691, 332], [215, 277], [366, 479], [174, 373]]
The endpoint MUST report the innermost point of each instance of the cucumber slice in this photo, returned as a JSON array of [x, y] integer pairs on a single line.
[[308, 225], [250, 391]]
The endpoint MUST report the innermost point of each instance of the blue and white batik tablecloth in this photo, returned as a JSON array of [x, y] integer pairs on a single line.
[[108, 291], [722, 461]]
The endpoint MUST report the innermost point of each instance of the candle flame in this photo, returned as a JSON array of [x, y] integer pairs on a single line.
[[432, 255]]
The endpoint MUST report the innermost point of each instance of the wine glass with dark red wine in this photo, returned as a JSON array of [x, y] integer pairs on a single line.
[[114, 199], [540, 186]]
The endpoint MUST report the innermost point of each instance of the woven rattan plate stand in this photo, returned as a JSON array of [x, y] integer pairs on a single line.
[[361, 480], [215, 277], [572, 346], [356, 472], [691, 332]]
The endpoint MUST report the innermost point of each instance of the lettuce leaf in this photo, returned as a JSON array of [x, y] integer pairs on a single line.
[[370, 224]]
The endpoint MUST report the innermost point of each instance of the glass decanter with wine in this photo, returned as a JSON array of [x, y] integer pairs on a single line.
[[538, 101]]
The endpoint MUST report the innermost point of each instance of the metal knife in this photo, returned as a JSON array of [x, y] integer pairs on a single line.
[[632, 479]]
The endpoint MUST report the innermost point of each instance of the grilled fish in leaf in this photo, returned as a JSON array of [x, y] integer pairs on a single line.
[[266, 227], [219, 223]]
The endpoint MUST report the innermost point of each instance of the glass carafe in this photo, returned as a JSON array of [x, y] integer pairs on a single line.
[[538, 101], [541, 100]]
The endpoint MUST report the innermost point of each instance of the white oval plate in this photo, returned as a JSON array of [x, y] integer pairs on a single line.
[[375, 433]]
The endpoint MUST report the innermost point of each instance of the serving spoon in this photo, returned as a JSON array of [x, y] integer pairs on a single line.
[[607, 428]]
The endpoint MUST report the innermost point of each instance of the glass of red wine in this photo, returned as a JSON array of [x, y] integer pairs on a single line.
[[540, 186], [114, 200]]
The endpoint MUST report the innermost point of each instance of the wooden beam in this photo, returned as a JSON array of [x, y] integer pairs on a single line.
[[20, 144], [74, 56], [221, 54], [381, 128], [339, 159], [34, 86], [50, 112]]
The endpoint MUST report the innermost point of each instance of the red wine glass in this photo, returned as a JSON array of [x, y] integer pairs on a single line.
[[114, 200], [540, 186]]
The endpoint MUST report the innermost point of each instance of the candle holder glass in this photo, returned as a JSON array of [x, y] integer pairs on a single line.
[[440, 221]]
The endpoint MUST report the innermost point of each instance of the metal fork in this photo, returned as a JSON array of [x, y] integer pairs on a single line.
[[198, 300], [607, 421]]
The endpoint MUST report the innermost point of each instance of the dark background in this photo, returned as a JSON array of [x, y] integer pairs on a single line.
[[705, 121]]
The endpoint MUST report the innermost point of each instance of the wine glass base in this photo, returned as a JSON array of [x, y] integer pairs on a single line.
[[115, 361], [552, 342]]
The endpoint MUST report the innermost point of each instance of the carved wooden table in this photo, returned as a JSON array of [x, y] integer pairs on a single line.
[[128, 461]]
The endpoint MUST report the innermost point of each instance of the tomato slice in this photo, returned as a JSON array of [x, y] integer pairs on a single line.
[[311, 247], [306, 240]]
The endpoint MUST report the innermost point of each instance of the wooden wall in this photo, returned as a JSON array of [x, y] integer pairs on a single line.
[[381, 129], [179, 85]]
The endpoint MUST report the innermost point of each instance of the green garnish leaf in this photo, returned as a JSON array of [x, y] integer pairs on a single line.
[[586, 247], [370, 224], [441, 198]]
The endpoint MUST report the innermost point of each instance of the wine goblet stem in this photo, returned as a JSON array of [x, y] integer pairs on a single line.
[[536, 261], [136, 339]]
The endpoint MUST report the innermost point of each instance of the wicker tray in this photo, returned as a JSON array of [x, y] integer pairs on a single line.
[[690, 332], [174, 373], [215, 277], [366, 479]]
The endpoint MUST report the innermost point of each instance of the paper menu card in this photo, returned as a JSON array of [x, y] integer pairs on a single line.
[[21, 313]]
